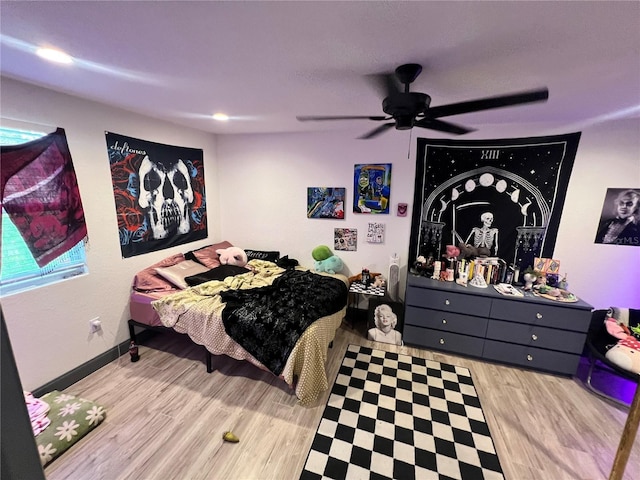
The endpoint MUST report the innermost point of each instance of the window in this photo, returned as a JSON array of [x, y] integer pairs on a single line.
[[18, 269]]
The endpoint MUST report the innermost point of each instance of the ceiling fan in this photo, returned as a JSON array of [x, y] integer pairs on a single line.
[[411, 109]]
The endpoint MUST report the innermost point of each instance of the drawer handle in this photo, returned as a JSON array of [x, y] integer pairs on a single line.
[[534, 336], [538, 316], [442, 341], [529, 357], [447, 302], [444, 320]]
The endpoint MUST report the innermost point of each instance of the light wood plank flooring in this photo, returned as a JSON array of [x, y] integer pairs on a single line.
[[166, 416]]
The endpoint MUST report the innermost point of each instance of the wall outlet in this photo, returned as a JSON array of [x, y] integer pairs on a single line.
[[95, 325]]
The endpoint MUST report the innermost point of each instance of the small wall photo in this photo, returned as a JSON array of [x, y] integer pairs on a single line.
[[345, 239]]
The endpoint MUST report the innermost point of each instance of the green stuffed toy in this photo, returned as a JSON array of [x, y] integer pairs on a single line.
[[325, 260], [321, 252]]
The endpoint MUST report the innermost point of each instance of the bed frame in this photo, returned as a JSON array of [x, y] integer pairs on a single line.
[[134, 339]]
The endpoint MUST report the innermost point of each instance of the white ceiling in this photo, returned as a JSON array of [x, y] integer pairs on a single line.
[[263, 63]]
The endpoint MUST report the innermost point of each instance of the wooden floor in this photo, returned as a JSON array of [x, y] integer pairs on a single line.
[[166, 416]]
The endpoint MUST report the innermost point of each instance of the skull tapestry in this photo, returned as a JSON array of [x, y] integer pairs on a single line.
[[505, 195], [159, 194]]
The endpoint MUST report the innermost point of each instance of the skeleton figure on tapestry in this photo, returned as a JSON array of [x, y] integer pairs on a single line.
[[485, 236], [165, 190]]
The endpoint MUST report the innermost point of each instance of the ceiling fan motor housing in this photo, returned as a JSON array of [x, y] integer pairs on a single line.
[[405, 107]]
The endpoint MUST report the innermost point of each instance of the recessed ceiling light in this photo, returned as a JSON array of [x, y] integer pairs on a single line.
[[53, 55], [221, 117]]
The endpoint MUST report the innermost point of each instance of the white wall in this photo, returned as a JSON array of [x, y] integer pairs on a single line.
[[266, 177], [265, 193], [256, 191], [49, 327]]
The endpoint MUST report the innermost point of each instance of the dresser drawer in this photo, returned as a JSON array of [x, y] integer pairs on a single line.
[[447, 321], [530, 357], [541, 314], [448, 301], [440, 340], [536, 336]]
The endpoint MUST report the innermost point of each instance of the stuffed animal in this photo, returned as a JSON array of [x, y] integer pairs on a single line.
[[232, 256], [624, 325], [333, 264], [469, 251], [321, 252]]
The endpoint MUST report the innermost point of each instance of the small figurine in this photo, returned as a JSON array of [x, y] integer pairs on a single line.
[[563, 285]]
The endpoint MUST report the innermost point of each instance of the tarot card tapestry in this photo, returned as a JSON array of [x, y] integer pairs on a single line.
[[503, 195], [159, 194]]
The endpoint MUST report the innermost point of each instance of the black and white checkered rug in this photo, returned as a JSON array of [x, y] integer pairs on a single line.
[[395, 416]]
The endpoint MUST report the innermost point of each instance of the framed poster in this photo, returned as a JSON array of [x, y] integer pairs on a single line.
[[385, 321], [620, 218], [372, 188], [325, 202]]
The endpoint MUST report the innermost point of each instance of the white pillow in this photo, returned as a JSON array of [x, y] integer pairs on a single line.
[[177, 273]]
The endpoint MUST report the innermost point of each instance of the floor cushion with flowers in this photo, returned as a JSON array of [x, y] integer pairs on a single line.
[[71, 419]]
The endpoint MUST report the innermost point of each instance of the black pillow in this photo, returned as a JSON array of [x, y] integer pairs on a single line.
[[270, 256], [218, 273], [287, 263]]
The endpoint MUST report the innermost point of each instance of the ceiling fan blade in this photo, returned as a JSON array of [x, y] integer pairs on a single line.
[[377, 131], [448, 127], [488, 103], [355, 117]]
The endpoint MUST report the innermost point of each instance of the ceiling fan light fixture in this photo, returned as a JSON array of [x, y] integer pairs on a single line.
[[404, 122]]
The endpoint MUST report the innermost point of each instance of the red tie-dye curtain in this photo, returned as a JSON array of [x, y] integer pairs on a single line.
[[40, 194]]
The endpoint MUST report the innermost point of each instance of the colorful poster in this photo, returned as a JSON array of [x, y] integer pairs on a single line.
[[345, 239], [325, 202], [159, 194], [503, 197], [372, 188]]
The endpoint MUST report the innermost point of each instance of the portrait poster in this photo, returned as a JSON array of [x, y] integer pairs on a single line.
[[504, 195], [159, 194], [381, 330], [345, 239], [375, 232], [620, 218], [372, 188], [325, 202]]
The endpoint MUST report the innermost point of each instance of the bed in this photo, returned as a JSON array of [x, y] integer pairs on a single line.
[[281, 320]]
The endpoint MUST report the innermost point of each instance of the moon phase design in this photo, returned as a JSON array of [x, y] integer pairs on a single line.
[[486, 179], [470, 185]]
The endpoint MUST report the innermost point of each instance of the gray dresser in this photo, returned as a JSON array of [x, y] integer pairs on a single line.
[[529, 332]]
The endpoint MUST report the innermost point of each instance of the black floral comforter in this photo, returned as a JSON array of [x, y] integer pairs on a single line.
[[268, 321]]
